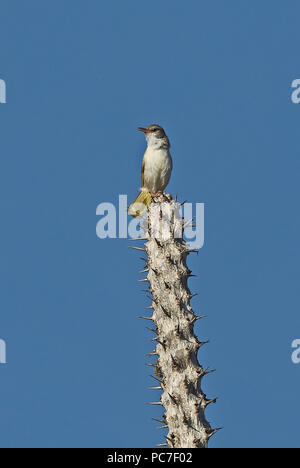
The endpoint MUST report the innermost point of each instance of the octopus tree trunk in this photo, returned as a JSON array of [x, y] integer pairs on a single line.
[[177, 368]]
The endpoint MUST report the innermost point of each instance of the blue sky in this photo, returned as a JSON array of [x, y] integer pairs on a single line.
[[81, 77]]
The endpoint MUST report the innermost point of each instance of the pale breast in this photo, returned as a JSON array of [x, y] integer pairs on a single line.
[[157, 170]]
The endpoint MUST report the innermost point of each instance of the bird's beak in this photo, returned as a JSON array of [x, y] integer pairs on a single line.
[[144, 130]]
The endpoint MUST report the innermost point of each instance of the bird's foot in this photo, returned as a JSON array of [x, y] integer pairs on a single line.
[[160, 196], [156, 194]]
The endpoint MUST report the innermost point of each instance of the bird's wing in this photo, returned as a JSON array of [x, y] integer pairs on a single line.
[[143, 170]]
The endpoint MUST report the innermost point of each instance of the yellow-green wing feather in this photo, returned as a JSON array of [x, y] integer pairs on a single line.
[[140, 204]]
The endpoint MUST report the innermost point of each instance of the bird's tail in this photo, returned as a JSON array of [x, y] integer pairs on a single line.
[[140, 204]]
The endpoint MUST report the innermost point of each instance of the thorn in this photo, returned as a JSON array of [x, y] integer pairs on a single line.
[[211, 432], [147, 291], [154, 271], [152, 354], [202, 343], [159, 403], [144, 259], [137, 248], [161, 445], [198, 317], [157, 242], [155, 388], [172, 398], [152, 299], [144, 271], [170, 440], [149, 307], [206, 371], [193, 295], [159, 420], [160, 342], [182, 203], [174, 361], [156, 378], [152, 330], [138, 239], [187, 224], [165, 426], [150, 364], [165, 311], [208, 402], [145, 318], [144, 280]]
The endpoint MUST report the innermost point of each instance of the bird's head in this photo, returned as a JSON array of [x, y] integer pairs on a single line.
[[155, 136]]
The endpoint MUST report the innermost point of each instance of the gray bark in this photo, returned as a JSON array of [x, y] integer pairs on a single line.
[[176, 369]]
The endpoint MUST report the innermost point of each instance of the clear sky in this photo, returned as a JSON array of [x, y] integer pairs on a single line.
[[81, 77]]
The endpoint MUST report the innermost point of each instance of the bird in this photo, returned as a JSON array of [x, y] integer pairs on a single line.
[[157, 167]]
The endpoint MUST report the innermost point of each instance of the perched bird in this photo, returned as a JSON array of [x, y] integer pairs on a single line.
[[156, 168]]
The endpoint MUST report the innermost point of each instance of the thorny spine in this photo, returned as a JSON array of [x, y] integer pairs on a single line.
[[176, 369]]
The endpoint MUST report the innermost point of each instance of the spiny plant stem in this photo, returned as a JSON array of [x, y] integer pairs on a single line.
[[177, 370]]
